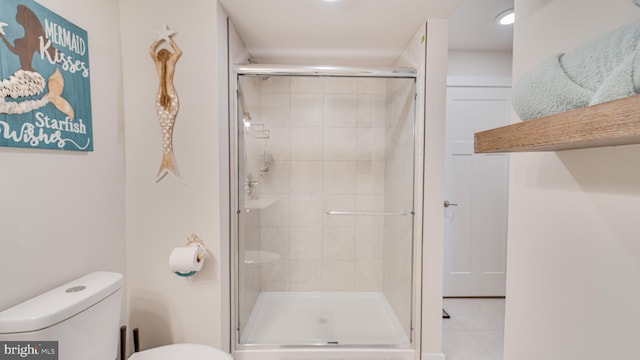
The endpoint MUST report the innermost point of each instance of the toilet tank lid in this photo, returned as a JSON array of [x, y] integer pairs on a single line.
[[60, 303]]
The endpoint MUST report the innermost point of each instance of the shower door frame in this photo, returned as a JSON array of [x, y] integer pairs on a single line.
[[415, 334]]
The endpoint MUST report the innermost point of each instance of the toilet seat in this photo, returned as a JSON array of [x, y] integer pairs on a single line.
[[182, 352]]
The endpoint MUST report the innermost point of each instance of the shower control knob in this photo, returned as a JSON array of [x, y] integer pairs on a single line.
[[447, 204]]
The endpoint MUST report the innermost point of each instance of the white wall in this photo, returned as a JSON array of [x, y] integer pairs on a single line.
[[428, 55], [435, 105], [161, 215], [479, 64], [573, 252], [62, 212]]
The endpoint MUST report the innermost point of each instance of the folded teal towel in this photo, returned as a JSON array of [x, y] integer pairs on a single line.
[[604, 69]]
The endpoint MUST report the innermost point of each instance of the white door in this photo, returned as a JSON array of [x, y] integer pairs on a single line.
[[475, 233]]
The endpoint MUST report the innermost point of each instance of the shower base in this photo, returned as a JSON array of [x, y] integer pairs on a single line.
[[323, 318]]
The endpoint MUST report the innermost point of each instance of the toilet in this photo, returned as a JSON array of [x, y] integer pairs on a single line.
[[83, 316]]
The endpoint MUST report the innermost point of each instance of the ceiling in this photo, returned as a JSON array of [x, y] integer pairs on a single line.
[[472, 26], [355, 32]]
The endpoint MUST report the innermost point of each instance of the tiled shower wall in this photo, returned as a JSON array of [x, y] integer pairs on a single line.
[[327, 147]]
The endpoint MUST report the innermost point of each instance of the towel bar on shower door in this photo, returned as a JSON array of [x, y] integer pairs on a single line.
[[368, 213]]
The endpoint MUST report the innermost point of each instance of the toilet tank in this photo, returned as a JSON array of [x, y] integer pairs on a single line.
[[83, 316]]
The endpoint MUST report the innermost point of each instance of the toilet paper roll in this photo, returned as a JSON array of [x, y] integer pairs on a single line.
[[186, 259]]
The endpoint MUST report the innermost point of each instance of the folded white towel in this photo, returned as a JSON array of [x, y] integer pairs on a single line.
[[604, 69]]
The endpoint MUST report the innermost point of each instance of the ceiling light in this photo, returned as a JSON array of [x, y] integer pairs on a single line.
[[506, 17]]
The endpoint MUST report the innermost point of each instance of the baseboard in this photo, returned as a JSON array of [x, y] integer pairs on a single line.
[[432, 356], [327, 354], [324, 354]]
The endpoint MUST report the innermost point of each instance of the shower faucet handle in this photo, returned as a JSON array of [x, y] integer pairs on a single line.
[[250, 185]]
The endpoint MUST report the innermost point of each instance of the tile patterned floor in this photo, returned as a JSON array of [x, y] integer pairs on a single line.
[[475, 330]]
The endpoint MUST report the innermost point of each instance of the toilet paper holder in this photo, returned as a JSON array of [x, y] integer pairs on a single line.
[[194, 240]]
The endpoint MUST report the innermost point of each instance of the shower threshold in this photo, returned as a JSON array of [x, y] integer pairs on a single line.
[[323, 318]]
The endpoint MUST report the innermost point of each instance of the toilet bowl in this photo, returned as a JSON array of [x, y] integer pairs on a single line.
[[182, 352]]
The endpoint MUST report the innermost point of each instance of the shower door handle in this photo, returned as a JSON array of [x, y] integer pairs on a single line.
[[447, 204], [367, 213]]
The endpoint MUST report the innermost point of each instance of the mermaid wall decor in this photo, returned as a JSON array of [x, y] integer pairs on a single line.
[[165, 54], [51, 113]]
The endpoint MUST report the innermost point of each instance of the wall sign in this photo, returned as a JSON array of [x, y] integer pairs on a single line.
[[45, 98]]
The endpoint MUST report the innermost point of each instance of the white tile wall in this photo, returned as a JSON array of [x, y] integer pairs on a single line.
[[306, 243], [306, 273], [371, 86], [277, 144], [340, 85], [328, 144], [306, 142], [370, 177], [275, 277], [340, 143], [307, 177], [275, 239], [370, 144], [301, 84], [369, 242], [277, 214], [275, 84], [277, 180], [372, 110], [344, 275], [341, 110], [340, 177], [371, 202], [274, 109], [368, 275], [306, 210], [339, 243], [306, 110]]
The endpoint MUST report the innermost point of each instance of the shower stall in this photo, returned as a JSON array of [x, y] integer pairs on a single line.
[[324, 245]]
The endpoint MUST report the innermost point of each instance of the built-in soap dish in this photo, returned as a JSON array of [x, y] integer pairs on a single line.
[[259, 204], [260, 257]]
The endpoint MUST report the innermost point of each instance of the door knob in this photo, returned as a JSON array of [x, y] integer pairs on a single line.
[[447, 204]]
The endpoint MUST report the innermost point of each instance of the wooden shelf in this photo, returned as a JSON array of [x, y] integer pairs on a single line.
[[608, 124]]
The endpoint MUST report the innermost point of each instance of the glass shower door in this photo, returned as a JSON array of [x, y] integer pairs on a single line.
[[325, 210]]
